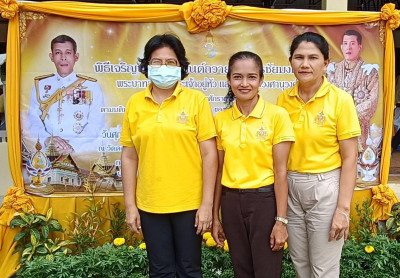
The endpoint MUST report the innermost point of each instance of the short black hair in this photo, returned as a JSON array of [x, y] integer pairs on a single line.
[[63, 39], [354, 33], [241, 55], [166, 40], [319, 41]]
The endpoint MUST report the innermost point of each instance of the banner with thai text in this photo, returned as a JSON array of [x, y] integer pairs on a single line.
[[70, 126]]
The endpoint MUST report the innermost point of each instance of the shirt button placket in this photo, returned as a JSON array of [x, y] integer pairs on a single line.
[[243, 134]]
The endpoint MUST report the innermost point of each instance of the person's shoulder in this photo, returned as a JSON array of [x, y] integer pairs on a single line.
[[139, 96], [88, 78], [286, 93], [189, 92], [224, 113], [43, 77], [274, 109], [369, 69]]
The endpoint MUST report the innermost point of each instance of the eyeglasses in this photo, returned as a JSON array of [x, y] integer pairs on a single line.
[[156, 63]]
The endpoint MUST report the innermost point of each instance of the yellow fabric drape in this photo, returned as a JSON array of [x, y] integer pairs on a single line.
[[383, 198], [165, 13]]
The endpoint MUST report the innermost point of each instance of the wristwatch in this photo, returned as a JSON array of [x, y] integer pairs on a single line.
[[281, 219]]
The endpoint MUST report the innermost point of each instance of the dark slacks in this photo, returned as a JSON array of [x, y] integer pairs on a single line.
[[173, 248], [248, 219]]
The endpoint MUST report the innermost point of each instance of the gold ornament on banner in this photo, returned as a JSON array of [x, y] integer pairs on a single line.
[[8, 8], [203, 15], [23, 17], [390, 14]]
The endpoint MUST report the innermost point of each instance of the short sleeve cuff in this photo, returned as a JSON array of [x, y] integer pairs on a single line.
[[283, 139], [207, 136], [349, 135], [126, 143]]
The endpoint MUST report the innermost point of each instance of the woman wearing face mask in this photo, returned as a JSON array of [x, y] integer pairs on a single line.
[[254, 139], [169, 162], [322, 162]]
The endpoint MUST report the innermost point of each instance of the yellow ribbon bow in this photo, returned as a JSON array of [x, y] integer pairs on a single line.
[[203, 15], [390, 14], [383, 198], [8, 8], [15, 201]]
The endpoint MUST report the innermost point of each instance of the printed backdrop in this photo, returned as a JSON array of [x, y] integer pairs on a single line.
[[108, 52]]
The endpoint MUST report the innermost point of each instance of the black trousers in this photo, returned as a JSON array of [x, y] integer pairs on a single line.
[[173, 248], [248, 219]]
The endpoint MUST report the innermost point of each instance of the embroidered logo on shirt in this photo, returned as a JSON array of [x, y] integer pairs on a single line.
[[261, 134], [320, 118], [182, 117]]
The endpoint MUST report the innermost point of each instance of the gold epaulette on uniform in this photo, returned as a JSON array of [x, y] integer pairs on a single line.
[[44, 76], [87, 77]]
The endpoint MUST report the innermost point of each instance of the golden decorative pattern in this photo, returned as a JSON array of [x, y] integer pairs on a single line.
[[24, 16], [391, 15], [382, 32], [8, 8]]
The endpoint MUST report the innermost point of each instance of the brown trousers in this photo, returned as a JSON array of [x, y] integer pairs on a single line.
[[248, 219]]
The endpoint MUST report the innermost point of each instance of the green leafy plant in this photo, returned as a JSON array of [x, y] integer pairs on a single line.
[[366, 227], [216, 262], [377, 257], [119, 228], [85, 228], [33, 239], [393, 223], [103, 261], [287, 266]]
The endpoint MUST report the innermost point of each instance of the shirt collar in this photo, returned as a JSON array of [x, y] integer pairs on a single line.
[[257, 112], [177, 91], [67, 80], [323, 90]]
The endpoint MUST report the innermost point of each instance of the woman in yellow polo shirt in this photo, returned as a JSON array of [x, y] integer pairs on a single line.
[[322, 162], [169, 162], [253, 142]]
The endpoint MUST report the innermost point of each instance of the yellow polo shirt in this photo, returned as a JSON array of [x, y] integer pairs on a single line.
[[248, 141], [319, 125], [166, 138]]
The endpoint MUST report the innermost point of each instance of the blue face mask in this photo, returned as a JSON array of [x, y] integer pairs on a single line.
[[164, 77]]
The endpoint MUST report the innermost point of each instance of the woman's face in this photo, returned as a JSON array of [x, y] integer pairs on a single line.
[[308, 63], [245, 79]]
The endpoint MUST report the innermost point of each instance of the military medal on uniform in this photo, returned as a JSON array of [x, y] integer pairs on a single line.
[[46, 91], [81, 95]]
